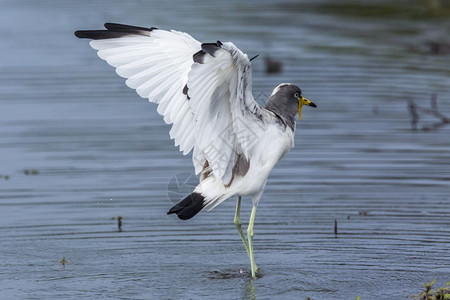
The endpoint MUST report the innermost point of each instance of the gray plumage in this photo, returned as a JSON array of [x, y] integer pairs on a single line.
[[284, 104]]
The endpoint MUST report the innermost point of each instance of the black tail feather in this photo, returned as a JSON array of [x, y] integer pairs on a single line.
[[115, 26], [188, 207], [112, 31]]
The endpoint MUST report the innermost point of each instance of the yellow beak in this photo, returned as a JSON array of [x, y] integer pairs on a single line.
[[303, 101]]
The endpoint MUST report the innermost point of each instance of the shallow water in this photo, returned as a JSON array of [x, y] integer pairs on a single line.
[[101, 152]]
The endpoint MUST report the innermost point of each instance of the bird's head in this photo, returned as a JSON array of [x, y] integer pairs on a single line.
[[286, 100]]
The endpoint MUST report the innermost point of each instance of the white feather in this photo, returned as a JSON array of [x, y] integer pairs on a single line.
[[219, 119]]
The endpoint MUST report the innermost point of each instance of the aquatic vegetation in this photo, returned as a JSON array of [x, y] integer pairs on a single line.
[[429, 293], [434, 294], [357, 298], [30, 172], [64, 261]]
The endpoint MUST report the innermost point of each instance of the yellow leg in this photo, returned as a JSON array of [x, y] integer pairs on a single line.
[[250, 242], [238, 224]]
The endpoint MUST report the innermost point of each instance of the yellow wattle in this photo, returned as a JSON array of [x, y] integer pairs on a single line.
[[300, 105]]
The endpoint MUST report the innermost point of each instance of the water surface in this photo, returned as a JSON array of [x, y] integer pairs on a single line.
[[101, 152]]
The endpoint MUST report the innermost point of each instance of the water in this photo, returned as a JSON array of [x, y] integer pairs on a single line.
[[101, 152]]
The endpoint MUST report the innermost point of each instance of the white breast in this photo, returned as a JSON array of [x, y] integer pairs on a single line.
[[270, 148], [267, 151]]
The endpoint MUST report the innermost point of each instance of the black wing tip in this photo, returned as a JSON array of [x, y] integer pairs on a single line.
[[82, 34], [207, 48], [211, 48], [185, 91], [188, 207], [117, 26], [254, 57], [79, 34], [94, 34], [113, 30], [198, 56]]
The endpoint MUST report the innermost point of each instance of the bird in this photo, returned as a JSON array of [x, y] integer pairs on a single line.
[[204, 90]]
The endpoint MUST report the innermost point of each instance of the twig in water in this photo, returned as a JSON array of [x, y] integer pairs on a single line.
[[335, 229], [119, 223], [414, 114], [415, 109]]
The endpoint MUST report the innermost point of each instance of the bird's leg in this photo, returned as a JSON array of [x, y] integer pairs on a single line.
[[238, 224], [250, 242]]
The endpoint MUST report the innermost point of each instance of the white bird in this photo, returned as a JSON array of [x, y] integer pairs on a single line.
[[205, 92]]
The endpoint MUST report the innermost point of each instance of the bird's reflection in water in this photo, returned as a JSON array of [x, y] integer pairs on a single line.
[[248, 283], [249, 290]]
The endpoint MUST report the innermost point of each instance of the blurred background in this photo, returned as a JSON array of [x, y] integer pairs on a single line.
[[78, 149]]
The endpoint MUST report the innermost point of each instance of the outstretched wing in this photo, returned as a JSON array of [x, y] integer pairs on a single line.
[[156, 64], [204, 90], [229, 121]]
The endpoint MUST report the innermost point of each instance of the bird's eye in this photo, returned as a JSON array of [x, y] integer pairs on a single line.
[[296, 95]]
